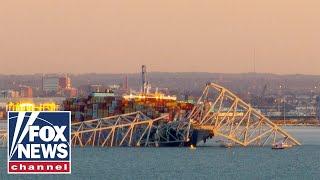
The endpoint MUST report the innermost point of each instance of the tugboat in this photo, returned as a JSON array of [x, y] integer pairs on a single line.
[[281, 145]]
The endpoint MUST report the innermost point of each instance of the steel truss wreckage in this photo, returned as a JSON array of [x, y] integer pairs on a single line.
[[217, 113], [132, 129]]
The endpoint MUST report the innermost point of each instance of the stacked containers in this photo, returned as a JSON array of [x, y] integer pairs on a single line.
[[94, 107]]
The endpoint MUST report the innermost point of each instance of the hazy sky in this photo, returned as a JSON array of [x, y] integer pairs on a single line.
[[112, 36]]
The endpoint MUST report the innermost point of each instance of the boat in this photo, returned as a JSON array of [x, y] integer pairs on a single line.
[[281, 145]]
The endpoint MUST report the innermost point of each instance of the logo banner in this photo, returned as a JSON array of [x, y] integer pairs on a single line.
[[39, 142]]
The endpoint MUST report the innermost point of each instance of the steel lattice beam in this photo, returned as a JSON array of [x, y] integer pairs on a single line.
[[221, 113], [133, 129]]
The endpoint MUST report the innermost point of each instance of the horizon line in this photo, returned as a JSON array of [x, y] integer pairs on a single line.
[[171, 72]]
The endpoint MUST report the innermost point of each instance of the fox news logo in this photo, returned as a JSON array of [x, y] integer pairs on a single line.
[[39, 142]]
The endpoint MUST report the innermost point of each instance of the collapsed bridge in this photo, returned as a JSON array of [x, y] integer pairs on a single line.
[[217, 113], [132, 129]]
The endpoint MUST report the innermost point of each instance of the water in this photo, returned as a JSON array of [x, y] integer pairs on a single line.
[[205, 162]]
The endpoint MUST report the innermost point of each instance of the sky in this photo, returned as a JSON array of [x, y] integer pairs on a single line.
[[118, 36]]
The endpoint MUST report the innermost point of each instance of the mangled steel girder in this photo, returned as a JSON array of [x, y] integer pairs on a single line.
[[222, 113], [132, 129]]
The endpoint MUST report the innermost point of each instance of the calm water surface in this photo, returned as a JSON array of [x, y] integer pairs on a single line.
[[205, 162]]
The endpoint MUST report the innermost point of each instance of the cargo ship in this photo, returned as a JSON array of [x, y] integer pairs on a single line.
[[104, 104], [108, 102]]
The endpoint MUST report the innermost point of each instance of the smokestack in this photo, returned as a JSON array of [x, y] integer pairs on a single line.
[[126, 83], [144, 78]]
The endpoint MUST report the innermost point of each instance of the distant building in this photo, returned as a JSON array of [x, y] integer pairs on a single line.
[[64, 82], [50, 84], [26, 92], [85, 90], [9, 94], [70, 92]]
